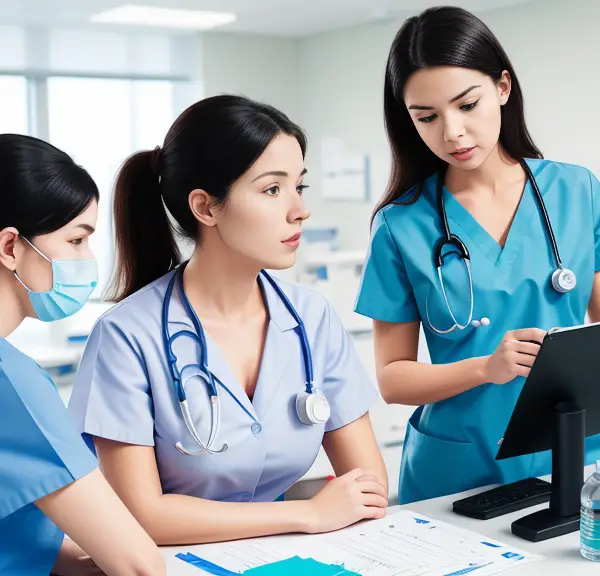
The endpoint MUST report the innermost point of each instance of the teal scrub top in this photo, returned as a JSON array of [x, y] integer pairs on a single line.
[[450, 446], [40, 452]]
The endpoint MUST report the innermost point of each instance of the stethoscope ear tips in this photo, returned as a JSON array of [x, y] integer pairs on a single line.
[[483, 322]]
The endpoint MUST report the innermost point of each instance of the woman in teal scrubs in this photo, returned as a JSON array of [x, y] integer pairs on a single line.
[[49, 480], [454, 115]]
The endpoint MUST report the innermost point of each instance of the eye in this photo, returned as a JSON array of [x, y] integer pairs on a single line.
[[428, 119], [470, 106], [273, 191], [301, 188], [77, 241]]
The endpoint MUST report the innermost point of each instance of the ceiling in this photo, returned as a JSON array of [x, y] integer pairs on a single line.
[[293, 18]]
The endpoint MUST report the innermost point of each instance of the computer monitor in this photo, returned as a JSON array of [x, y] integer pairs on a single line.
[[559, 406]]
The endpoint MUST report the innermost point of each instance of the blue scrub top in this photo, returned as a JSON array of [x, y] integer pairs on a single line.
[[451, 445], [124, 392], [40, 452]]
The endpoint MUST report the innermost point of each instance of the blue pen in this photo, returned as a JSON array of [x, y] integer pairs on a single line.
[[205, 565]]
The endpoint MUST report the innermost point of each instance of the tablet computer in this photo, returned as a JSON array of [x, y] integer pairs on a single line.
[[567, 369]]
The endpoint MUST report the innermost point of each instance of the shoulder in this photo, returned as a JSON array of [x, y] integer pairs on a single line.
[[554, 171], [414, 215], [31, 402], [308, 303], [20, 373], [139, 312], [419, 201]]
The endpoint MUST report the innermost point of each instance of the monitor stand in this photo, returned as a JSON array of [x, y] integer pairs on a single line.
[[568, 461]]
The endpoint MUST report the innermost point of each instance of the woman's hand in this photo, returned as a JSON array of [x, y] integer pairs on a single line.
[[514, 356], [345, 500]]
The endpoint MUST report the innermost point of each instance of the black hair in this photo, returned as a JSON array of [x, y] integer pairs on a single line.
[[443, 36], [42, 188], [210, 146]]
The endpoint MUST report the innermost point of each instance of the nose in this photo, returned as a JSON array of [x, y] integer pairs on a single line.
[[453, 128], [298, 211]]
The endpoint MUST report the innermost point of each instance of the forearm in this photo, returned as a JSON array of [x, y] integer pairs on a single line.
[[177, 519], [416, 383]]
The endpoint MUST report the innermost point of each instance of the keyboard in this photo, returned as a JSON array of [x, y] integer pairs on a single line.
[[504, 499]]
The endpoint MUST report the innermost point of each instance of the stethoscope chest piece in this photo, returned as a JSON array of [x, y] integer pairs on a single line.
[[563, 280], [312, 408]]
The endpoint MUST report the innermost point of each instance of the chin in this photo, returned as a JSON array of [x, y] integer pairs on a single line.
[[280, 263], [472, 164]]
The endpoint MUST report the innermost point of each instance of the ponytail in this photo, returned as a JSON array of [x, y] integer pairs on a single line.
[[145, 239]]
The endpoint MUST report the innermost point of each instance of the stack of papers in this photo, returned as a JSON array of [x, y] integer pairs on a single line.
[[402, 544]]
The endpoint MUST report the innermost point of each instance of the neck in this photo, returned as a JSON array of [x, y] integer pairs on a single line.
[[12, 311], [498, 170], [222, 287]]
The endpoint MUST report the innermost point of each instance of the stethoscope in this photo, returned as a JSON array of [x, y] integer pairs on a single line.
[[311, 406], [563, 280]]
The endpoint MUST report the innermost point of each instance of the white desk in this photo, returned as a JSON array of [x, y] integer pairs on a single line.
[[562, 554]]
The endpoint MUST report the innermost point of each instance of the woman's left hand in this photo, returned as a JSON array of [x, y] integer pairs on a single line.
[[73, 561]]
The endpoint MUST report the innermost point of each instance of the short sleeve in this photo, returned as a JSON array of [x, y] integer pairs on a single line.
[[111, 398], [41, 450], [595, 191], [348, 388], [385, 292]]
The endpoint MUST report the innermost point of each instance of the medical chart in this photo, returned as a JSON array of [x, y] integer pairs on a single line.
[[402, 544]]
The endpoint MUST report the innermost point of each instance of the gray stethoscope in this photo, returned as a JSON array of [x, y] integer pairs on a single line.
[[563, 279], [311, 406]]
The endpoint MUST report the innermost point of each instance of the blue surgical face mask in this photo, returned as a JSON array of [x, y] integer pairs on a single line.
[[73, 282]]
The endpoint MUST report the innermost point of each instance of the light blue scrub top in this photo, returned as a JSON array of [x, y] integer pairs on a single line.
[[40, 452], [124, 392], [450, 446]]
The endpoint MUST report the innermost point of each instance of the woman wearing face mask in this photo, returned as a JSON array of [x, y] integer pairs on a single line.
[[455, 122], [49, 481], [211, 386]]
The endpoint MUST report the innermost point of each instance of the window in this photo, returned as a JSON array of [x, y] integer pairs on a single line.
[[14, 110], [100, 122]]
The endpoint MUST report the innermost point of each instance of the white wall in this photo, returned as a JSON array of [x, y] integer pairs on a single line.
[[342, 85], [260, 67], [554, 46]]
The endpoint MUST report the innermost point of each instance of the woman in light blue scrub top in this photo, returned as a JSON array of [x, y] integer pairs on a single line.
[[454, 110], [231, 174], [49, 480]]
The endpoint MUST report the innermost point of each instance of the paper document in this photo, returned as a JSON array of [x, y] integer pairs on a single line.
[[241, 555], [402, 544], [409, 544]]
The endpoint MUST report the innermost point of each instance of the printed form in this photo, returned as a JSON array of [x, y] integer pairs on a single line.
[[402, 544]]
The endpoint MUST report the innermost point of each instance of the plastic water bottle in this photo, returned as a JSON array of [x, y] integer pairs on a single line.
[[590, 517]]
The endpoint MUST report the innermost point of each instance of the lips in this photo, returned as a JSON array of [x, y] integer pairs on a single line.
[[462, 150], [293, 238]]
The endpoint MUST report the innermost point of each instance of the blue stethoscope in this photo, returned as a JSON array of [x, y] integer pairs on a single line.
[[562, 279], [311, 406]]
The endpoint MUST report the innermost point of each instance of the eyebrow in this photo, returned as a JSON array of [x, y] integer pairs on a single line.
[[458, 97], [87, 228], [279, 173]]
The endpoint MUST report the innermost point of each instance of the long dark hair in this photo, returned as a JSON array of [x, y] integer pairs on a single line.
[[42, 189], [443, 36], [209, 147]]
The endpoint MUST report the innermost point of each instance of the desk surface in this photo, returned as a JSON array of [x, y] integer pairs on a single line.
[[562, 554]]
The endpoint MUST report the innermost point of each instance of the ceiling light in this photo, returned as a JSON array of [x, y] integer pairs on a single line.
[[135, 15]]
